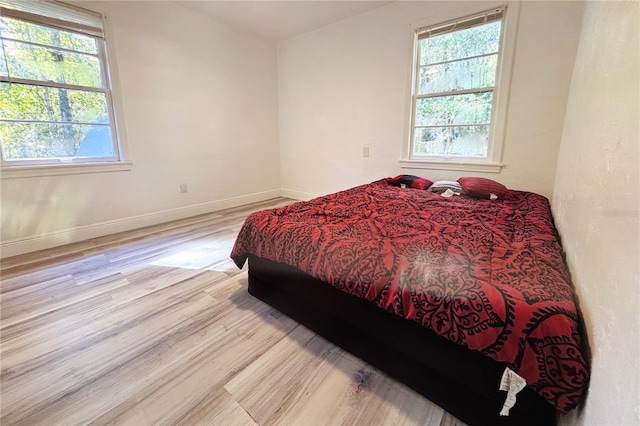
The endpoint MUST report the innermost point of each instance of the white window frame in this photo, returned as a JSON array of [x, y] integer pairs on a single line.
[[492, 163], [58, 15]]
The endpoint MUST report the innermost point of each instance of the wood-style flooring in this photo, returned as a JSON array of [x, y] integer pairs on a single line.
[[155, 326]]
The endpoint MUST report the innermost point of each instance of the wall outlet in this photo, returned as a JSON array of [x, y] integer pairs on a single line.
[[183, 187], [365, 151]]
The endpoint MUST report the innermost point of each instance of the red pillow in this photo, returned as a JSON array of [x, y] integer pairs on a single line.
[[410, 181], [482, 188]]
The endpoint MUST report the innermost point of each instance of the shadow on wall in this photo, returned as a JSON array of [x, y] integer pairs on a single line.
[[35, 207]]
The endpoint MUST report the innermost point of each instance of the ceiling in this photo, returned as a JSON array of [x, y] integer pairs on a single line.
[[280, 20]]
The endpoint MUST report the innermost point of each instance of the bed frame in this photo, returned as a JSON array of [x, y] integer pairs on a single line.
[[463, 382]]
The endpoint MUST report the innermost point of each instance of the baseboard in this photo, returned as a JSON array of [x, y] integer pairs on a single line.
[[297, 195], [81, 233]]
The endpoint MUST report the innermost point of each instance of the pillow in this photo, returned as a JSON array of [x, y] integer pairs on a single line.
[[442, 185], [410, 181], [483, 188]]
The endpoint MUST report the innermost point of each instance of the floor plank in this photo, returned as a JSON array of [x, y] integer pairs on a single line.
[[324, 385], [155, 326]]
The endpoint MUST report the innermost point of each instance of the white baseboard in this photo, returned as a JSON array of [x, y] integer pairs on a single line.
[[81, 233], [297, 195]]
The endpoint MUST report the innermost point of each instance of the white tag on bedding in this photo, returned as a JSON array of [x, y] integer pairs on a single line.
[[493, 196], [448, 193], [403, 185], [512, 383]]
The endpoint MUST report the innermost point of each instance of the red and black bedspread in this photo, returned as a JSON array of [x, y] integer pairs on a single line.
[[489, 275]]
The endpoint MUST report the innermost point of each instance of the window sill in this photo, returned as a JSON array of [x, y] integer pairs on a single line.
[[17, 172], [445, 164]]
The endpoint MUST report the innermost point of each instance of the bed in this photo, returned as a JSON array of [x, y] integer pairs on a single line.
[[446, 294]]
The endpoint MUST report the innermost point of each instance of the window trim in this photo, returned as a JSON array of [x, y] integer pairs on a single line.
[[492, 163], [65, 166], [61, 169]]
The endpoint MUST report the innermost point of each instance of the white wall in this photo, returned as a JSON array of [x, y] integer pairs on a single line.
[[346, 85], [596, 205], [200, 107]]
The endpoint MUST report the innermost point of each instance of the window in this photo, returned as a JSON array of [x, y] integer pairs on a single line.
[[455, 93], [55, 92]]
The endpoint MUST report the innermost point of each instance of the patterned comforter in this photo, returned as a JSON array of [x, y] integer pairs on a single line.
[[488, 275]]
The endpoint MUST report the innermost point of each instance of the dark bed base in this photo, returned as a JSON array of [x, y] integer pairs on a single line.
[[464, 383]]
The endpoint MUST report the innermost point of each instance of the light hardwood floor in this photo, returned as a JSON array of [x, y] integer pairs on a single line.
[[155, 326]]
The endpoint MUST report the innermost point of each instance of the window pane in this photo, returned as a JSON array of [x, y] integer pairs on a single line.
[[3, 66], [459, 75], [455, 141], [473, 41], [456, 109], [26, 141], [24, 102], [20, 30], [49, 64]]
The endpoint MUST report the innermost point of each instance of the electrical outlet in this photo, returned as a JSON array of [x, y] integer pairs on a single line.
[[183, 187], [365, 151]]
